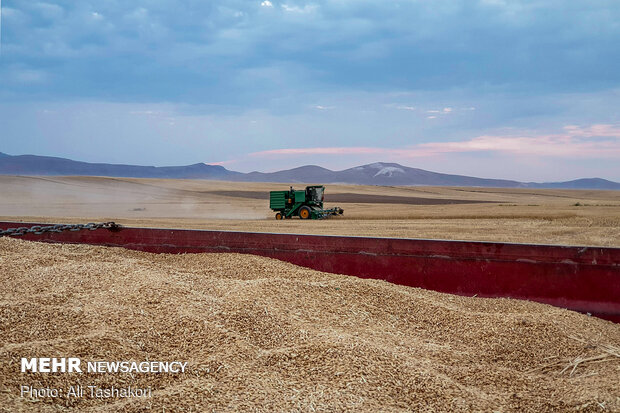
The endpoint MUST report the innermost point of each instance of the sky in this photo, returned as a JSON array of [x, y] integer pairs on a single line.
[[513, 89]]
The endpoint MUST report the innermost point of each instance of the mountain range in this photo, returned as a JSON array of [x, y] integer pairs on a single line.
[[379, 173]]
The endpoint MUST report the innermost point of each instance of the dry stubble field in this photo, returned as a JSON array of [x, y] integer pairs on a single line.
[[577, 217]]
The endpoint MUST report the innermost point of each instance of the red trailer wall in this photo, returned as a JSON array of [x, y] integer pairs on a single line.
[[585, 279]]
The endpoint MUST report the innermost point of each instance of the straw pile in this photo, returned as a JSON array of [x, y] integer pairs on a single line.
[[263, 335]]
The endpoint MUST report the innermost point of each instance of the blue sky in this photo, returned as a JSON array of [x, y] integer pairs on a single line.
[[526, 90]]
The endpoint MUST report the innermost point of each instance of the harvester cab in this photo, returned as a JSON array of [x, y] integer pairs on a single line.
[[306, 203]]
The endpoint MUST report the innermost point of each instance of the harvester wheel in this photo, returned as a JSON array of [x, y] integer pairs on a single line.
[[279, 216], [304, 212]]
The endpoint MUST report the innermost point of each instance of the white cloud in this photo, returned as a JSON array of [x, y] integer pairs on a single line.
[[295, 9], [445, 111], [47, 10], [266, 3], [597, 130], [145, 112], [493, 2]]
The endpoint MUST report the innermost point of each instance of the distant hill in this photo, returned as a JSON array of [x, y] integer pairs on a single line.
[[586, 183], [372, 174], [47, 165]]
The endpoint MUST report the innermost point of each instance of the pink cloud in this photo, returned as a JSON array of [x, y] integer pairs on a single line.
[[574, 142], [319, 151], [222, 163], [601, 130]]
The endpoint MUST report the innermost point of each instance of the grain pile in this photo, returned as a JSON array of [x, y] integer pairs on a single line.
[[263, 335]]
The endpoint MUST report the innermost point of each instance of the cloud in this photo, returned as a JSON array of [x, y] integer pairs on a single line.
[[145, 112], [221, 163], [594, 130], [319, 151], [575, 143], [26, 76], [309, 8], [563, 146], [144, 50], [444, 111], [458, 76]]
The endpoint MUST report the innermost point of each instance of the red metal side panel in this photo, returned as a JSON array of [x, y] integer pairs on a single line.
[[585, 279]]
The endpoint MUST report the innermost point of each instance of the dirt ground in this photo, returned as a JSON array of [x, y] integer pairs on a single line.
[[574, 217], [262, 335]]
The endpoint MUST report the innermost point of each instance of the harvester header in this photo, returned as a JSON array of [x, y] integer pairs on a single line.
[[306, 203]]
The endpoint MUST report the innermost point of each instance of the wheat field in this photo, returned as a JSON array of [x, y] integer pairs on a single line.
[[570, 217]]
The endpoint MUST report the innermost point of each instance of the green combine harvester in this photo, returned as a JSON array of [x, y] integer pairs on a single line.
[[305, 204]]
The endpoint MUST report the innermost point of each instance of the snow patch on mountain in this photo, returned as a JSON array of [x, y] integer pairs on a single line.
[[389, 171]]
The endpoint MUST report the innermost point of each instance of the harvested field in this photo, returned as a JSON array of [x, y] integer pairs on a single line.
[[263, 335], [573, 217], [362, 198]]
